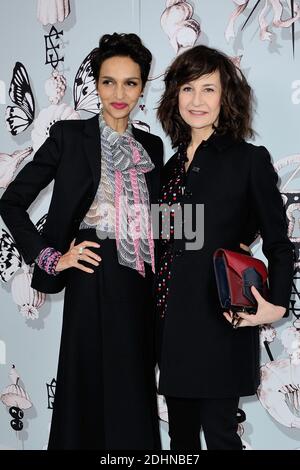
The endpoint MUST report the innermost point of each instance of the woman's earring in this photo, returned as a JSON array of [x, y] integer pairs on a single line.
[[142, 105]]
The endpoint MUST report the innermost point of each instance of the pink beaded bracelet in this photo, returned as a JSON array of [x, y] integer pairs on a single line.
[[48, 259]]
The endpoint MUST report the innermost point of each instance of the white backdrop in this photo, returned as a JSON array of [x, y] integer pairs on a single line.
[[43, 78]]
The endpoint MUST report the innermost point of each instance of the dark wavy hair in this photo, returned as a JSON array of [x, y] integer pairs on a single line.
[[126, 45], [236, 99]]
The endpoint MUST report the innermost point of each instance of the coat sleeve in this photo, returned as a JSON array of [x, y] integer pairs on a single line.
[[24, 189], [277, 247]]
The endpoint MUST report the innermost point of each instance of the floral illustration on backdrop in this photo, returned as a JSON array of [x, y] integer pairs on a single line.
[[179, 25], [52, 11], [278, 8], [13, 267], [182, 29], [288, 169], [16, 399], [267, 335], [279, 391], [55, 87]]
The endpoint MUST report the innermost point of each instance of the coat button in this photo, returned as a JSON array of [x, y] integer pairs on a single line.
[[188, 193]]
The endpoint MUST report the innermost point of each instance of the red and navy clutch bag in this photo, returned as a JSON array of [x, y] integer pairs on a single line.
[[235, 274]]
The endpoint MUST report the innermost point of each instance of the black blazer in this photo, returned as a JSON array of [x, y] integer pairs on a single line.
[[71, 156], [201, 355]]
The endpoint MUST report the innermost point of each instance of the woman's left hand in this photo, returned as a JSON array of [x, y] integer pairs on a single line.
[[266, 312]]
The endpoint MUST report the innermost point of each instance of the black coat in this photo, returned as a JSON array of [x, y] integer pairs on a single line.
[[72, 157], [200, 354]]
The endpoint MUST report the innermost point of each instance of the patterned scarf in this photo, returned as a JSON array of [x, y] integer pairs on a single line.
[[127, 162]]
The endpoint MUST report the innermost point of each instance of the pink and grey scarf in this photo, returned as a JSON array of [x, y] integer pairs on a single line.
[[127, 162]]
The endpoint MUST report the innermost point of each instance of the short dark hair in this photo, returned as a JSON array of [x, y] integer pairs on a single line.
[[236, 101], [126, 45]]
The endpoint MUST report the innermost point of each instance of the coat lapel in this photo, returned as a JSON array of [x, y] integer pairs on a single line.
[[92, 144]]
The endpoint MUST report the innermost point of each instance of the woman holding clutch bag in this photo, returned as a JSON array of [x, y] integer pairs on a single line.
[[205, 364]]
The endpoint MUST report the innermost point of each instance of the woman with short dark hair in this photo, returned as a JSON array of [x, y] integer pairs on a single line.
[[205, 364], [236, 111], [97, 242]]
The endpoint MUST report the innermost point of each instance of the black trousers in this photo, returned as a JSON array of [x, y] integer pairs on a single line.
[[216, 417]]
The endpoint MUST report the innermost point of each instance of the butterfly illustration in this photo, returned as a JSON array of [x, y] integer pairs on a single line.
[[84, 89], [19, 117], [10, 257]]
